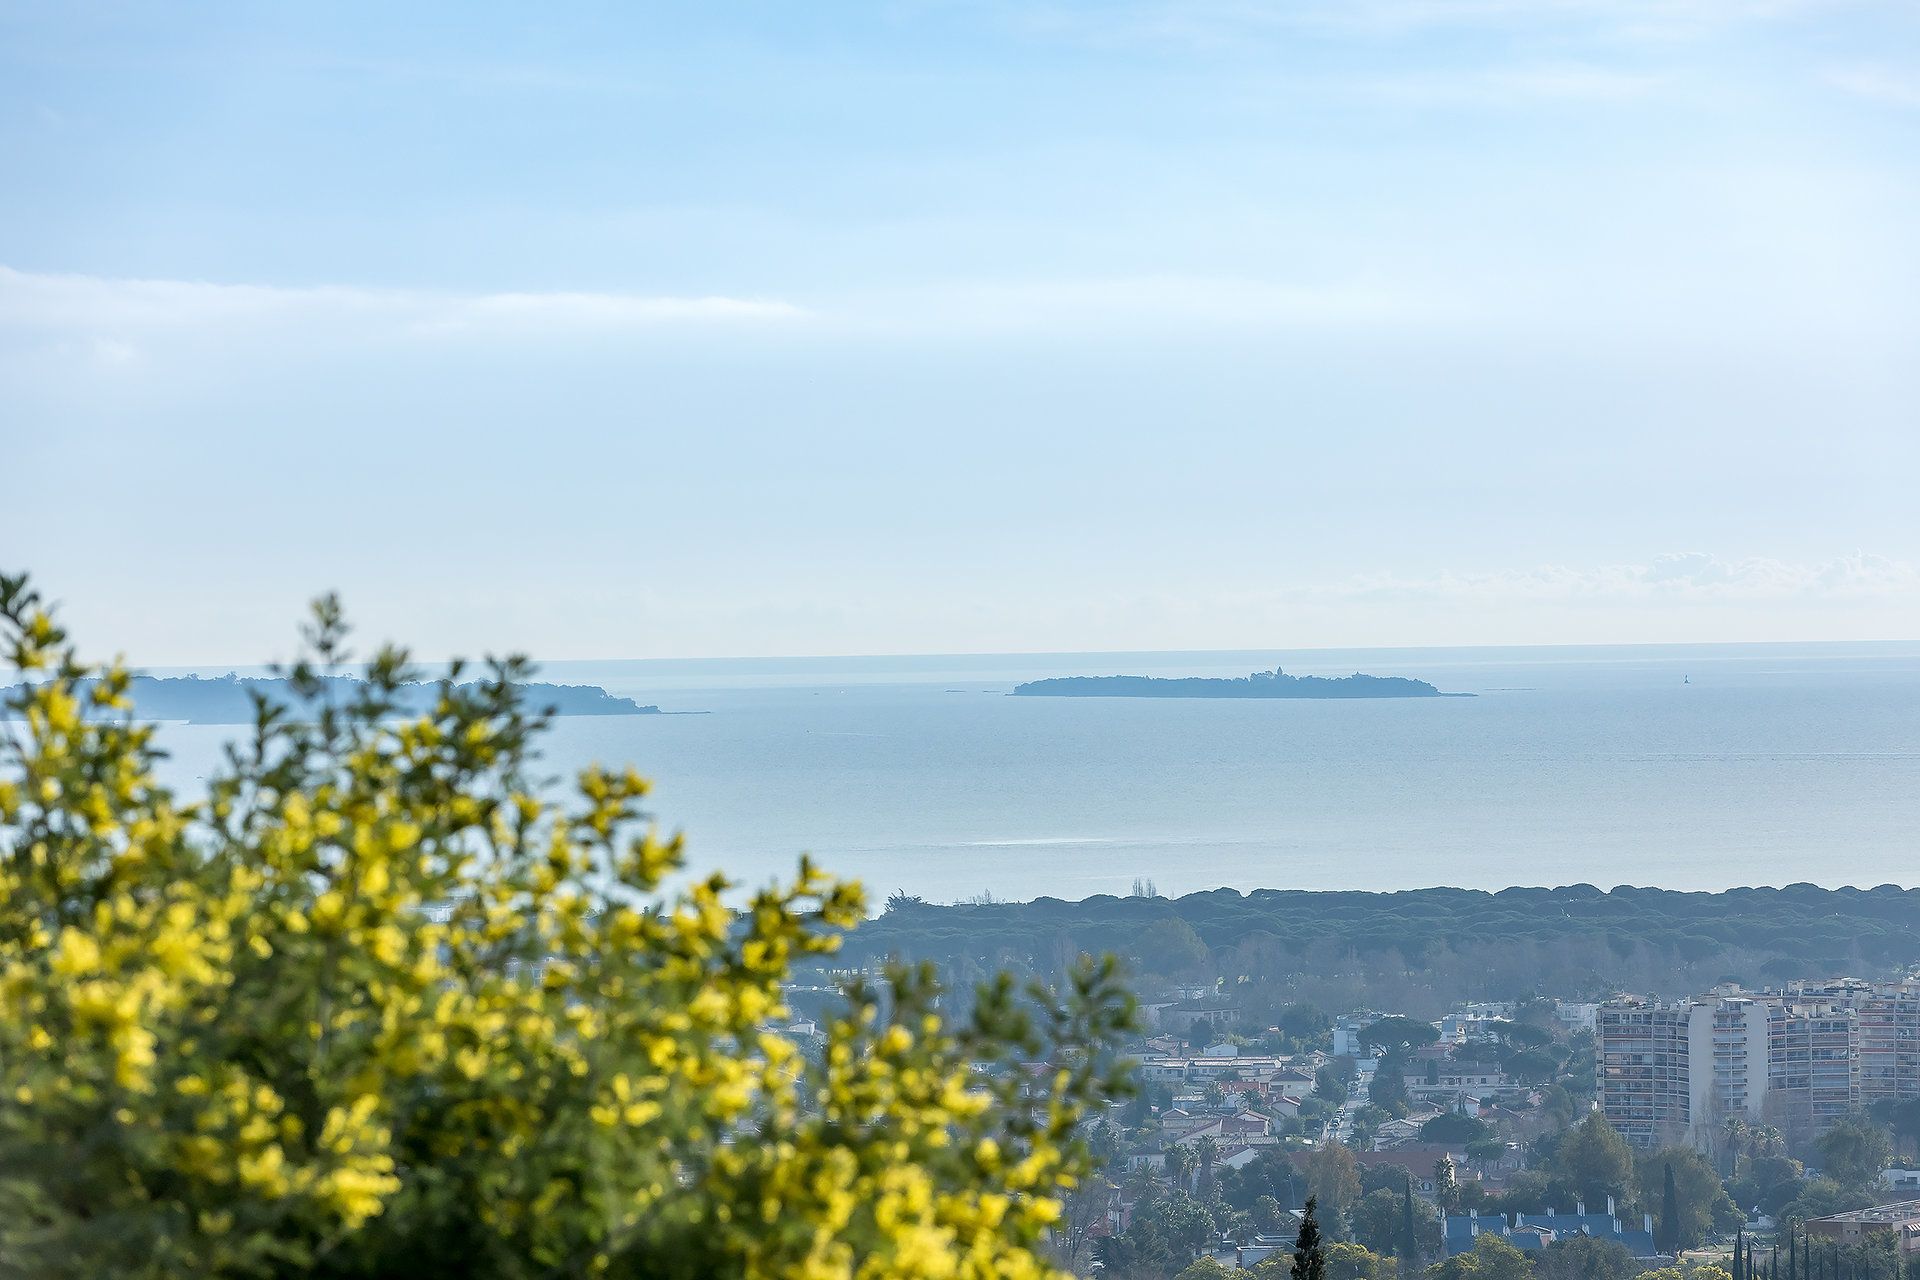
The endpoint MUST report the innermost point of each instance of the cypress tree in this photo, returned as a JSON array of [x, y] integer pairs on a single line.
[[1739, 1241], [1669, 1239], [1791, 1256], [1409, 1247], [1309, 1256]]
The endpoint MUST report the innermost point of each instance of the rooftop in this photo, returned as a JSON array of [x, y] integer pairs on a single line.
[[1905, 1211]]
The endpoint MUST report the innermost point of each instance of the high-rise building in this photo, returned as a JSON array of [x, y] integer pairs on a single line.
[[1673, 1072], [1810, 1066], [1797, 1059], [1643, 1060], [1886, 1036]]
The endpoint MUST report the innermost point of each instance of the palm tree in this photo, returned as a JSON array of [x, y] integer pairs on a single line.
[[1735, 1133], [1208, 1151], [1140, 1179], [1180, 1160]]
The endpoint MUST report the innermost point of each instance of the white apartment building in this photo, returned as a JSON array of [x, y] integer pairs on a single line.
[[1886, 1061], [1196, 1068], [1644, 1063], [1474, 1019], [1576, 1015], [1796, 1059], [1346, 1032]]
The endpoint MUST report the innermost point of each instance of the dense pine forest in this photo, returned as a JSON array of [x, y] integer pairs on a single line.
[[1422, 949]]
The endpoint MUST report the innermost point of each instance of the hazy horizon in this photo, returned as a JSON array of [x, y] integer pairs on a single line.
[[1250, 651]]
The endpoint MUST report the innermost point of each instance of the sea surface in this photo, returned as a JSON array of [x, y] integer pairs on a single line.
[[1689, 767]]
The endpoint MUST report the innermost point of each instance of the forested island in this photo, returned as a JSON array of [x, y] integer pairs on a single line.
[[1423, 949], [229, 699], [1261, 684]]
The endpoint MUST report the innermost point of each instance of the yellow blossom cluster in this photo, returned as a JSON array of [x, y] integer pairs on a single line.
[[381, 1002]]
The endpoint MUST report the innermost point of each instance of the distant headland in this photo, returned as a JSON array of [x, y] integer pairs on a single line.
[[1261, 684], [229, 699]]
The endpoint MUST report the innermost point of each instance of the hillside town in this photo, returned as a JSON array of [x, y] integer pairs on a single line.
[[1563, 1138]]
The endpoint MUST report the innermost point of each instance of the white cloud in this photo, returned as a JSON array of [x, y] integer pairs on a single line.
[[1496, 86], [1673, 576], [1092, 303], [1633, 18], [118, 309], [599, 310], [97, 312], [1897, 87], [1223, 24]]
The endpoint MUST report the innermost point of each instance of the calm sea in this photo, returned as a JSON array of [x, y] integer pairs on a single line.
[[1680, 766]]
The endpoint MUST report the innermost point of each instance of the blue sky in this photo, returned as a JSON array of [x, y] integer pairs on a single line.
[[741, 329]]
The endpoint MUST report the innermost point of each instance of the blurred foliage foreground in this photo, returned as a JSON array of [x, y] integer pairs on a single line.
[[376, 1007]]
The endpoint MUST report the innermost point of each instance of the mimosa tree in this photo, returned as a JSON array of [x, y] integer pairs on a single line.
[[382, 1002]]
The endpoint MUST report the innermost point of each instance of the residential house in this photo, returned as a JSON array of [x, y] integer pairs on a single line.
[[1196, 1016], [1901, 1221], [1248, 1128], [1418, 1161], [1533, 1232], [1396, 1133]]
